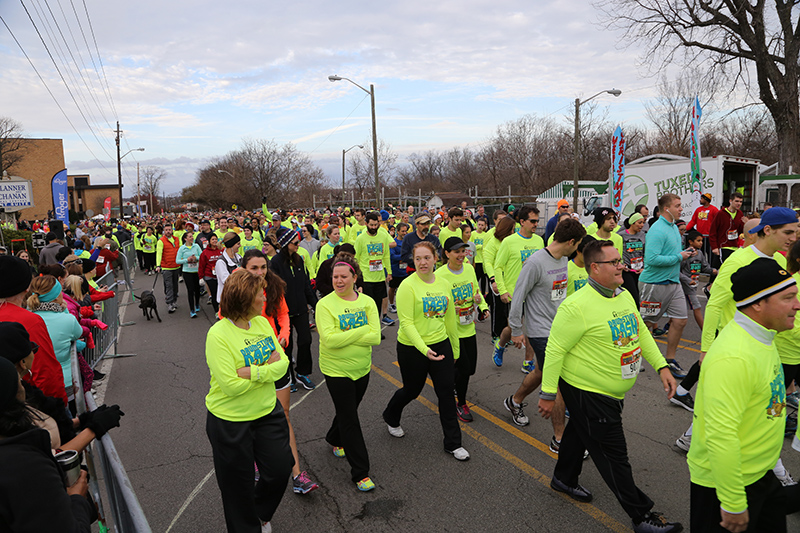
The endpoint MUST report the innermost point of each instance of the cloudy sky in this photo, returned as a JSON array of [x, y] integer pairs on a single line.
[[190, 80]]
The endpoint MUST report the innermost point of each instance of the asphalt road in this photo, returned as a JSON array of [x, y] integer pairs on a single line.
[[504, 487]]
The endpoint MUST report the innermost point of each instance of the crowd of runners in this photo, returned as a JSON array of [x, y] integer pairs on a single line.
[[581, 303]]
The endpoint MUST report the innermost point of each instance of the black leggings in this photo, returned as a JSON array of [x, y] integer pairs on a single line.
[[345, 431], [149, 261], [415, 368], [192, 282], [301, 364], [691, 376], [211, 288], [465, 366], [630, 281]]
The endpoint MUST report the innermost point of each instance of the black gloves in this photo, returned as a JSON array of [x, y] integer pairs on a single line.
[[102, 419]]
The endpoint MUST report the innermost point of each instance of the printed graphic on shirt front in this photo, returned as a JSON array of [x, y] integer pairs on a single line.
[[777, 400], [257, 351], [526, 253], [352, 319], [579, 283], [464, 302], [702, 215], [375, 248], [695, 269], [624, 328], [434, 306]]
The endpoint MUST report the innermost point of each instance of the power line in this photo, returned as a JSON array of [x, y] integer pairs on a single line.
[[100, 59], [51, 93], [340, 125], [106, 92], [63, 80]]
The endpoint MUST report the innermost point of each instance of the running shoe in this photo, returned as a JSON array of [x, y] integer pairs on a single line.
[[656, 523], [392, 308], [494, 340], [365, 485], [463, 413], [293, 387], [578, 493], [684, 400], [338, 452], [786, 479], [517, 414], [197, 309], [791, 426], [180, 279], [98, 376], [658, 332], [684, 442], [193, 314], [528, 366], [306, 382], [498, 353], [707, 291], [266, 527], [555, 445], [387, 320], [395, 431], [172, 308], [677, 371], [302, 484], [459, 453], [792, 399], [258, 475]]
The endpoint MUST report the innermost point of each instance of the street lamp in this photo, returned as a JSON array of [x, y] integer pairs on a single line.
[[119, 173], [344, 152], [225, 172], [371, 93], [577, 154]]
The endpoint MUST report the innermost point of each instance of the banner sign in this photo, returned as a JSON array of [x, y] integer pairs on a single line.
[[697, 171], [15, 195], [617, 169], [60, 197], [107, 208]]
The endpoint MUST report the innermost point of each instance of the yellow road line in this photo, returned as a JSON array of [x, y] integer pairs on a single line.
[[589, 509], [679, 346]]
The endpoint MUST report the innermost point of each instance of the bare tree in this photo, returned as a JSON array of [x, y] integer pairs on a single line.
[[360, 168], [733, 39], [12, 145], [150, 179]]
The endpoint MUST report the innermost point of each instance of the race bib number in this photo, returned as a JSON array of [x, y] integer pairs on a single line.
[[402, 266], [466, 315], [376, 265], [101, 259], [637, 263], [630, 363], [559, 290], [733, 235], [649, 308]]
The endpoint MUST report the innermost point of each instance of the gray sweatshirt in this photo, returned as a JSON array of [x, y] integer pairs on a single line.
[[633, 249], [691, 267], [541, 287]]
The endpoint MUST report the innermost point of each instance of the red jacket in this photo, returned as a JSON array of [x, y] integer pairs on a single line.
[[208, 260], [46, 370], [725, 229], [702, 218], [104, 261]]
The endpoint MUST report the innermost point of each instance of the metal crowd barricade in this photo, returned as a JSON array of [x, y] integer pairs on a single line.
[[126, 512]]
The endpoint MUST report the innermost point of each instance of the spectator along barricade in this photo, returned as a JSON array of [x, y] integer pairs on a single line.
[[126, 514]]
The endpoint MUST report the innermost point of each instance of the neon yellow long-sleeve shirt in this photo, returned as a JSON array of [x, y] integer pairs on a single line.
[[490, 247], [229, 348], [513, 251], [372, 253], [464, 290], [347, 332], [721, 307], [597, 344], [576, 277], [426, 314], [739, 412]]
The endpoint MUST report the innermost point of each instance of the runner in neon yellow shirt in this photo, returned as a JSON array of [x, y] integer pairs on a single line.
[[469, 305], [740, 408], [372, 251], [349, 326], [427, 344]]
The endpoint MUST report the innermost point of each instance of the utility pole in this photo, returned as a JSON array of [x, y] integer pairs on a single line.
[[119, 170], [137, 189]]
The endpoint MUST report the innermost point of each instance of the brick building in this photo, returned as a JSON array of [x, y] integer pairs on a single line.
[[43, 159]]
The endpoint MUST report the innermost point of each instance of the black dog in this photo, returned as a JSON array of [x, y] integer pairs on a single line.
[[147, 303]]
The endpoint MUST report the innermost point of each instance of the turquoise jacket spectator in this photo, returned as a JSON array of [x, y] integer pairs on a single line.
[[63, 329], [183, 255], [662, 253]]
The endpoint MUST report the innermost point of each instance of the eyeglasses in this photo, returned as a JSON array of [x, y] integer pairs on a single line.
[[78, 261], [614, 262], [533, 221]]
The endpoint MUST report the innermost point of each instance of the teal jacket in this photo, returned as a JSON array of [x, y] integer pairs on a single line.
[[662, 253], [183, 255]]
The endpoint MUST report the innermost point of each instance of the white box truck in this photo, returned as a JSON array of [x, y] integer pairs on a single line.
[[650, 177]]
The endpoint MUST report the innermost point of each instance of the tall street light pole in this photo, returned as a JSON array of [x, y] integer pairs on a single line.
[[371, 93], [344, 152], [119, 169], [577, 139]]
